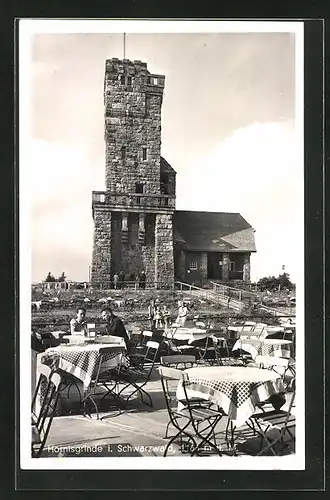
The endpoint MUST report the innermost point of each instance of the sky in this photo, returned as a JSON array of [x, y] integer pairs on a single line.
[[228, 129]]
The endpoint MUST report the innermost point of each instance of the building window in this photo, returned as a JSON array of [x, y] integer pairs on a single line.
[[122, 79], [232, 266], [129, 80], [139, 187], [144, 153], [193, 265], [123, 152]]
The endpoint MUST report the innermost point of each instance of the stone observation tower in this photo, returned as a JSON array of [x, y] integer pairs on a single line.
[[133, 218]]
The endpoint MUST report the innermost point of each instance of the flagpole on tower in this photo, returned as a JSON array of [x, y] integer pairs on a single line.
[[124, 45]]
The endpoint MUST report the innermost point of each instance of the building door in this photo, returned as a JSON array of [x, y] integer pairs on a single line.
[[214, 265]]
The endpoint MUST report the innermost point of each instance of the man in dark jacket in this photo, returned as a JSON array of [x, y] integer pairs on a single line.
[[114, 326], [142, 280]]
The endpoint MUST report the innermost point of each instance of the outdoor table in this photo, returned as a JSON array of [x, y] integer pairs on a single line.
[[83, 360], [235, 389], [188, 335], [264, 347], [270, 330]]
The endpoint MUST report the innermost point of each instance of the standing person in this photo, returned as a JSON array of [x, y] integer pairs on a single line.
[[151, 314], [121, 279], [166, 316], [142, 280], [115, 281], [114, 326], [158, 317], [78, 325], [182, 314]]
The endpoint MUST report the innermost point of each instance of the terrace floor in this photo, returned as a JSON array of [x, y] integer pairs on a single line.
[[137, 431]]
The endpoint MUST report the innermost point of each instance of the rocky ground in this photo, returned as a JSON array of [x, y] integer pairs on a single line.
[[57, 308]]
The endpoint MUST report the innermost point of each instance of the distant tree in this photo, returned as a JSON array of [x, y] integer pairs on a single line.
[[62, 278], [272, 283], [50, 278], [267, 283], [284, 281]]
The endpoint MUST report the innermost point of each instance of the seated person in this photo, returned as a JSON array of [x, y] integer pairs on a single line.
[[78, 325], [36, 342], [114, 326]]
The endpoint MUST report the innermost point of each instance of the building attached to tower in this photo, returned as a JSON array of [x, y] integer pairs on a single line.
[[136, 226]]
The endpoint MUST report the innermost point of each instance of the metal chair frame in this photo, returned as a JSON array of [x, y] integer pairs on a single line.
[[278, 419], [138, 376], [40, 427], [194, 414], [107, 380]]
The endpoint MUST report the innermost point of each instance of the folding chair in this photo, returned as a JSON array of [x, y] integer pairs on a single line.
[[41, 420], [169, 338], [135, 341], [144, 355], [279, 421], [188, 420], [181, 362], [107, 380], [222, 354], [137, 376], [278, 365], [258, 330], [282, 366]]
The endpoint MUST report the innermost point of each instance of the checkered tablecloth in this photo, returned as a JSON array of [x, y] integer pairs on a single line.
[[265, 347], [83, 361], [236, 389]]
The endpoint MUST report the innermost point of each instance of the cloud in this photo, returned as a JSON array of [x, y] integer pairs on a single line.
[[255, 172]]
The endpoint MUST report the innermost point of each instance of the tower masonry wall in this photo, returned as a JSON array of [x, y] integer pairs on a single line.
[[123, 240], [133, 100]]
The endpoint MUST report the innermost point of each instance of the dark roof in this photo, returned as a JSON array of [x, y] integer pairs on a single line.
[[213, 231], [165, 166]]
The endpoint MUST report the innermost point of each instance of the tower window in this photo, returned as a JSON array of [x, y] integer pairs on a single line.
[[129, 80], [122, 79], [144, 153], [123, 152], [139, 188]]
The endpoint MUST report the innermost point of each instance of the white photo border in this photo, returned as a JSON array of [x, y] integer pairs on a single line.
[[27, 29]]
